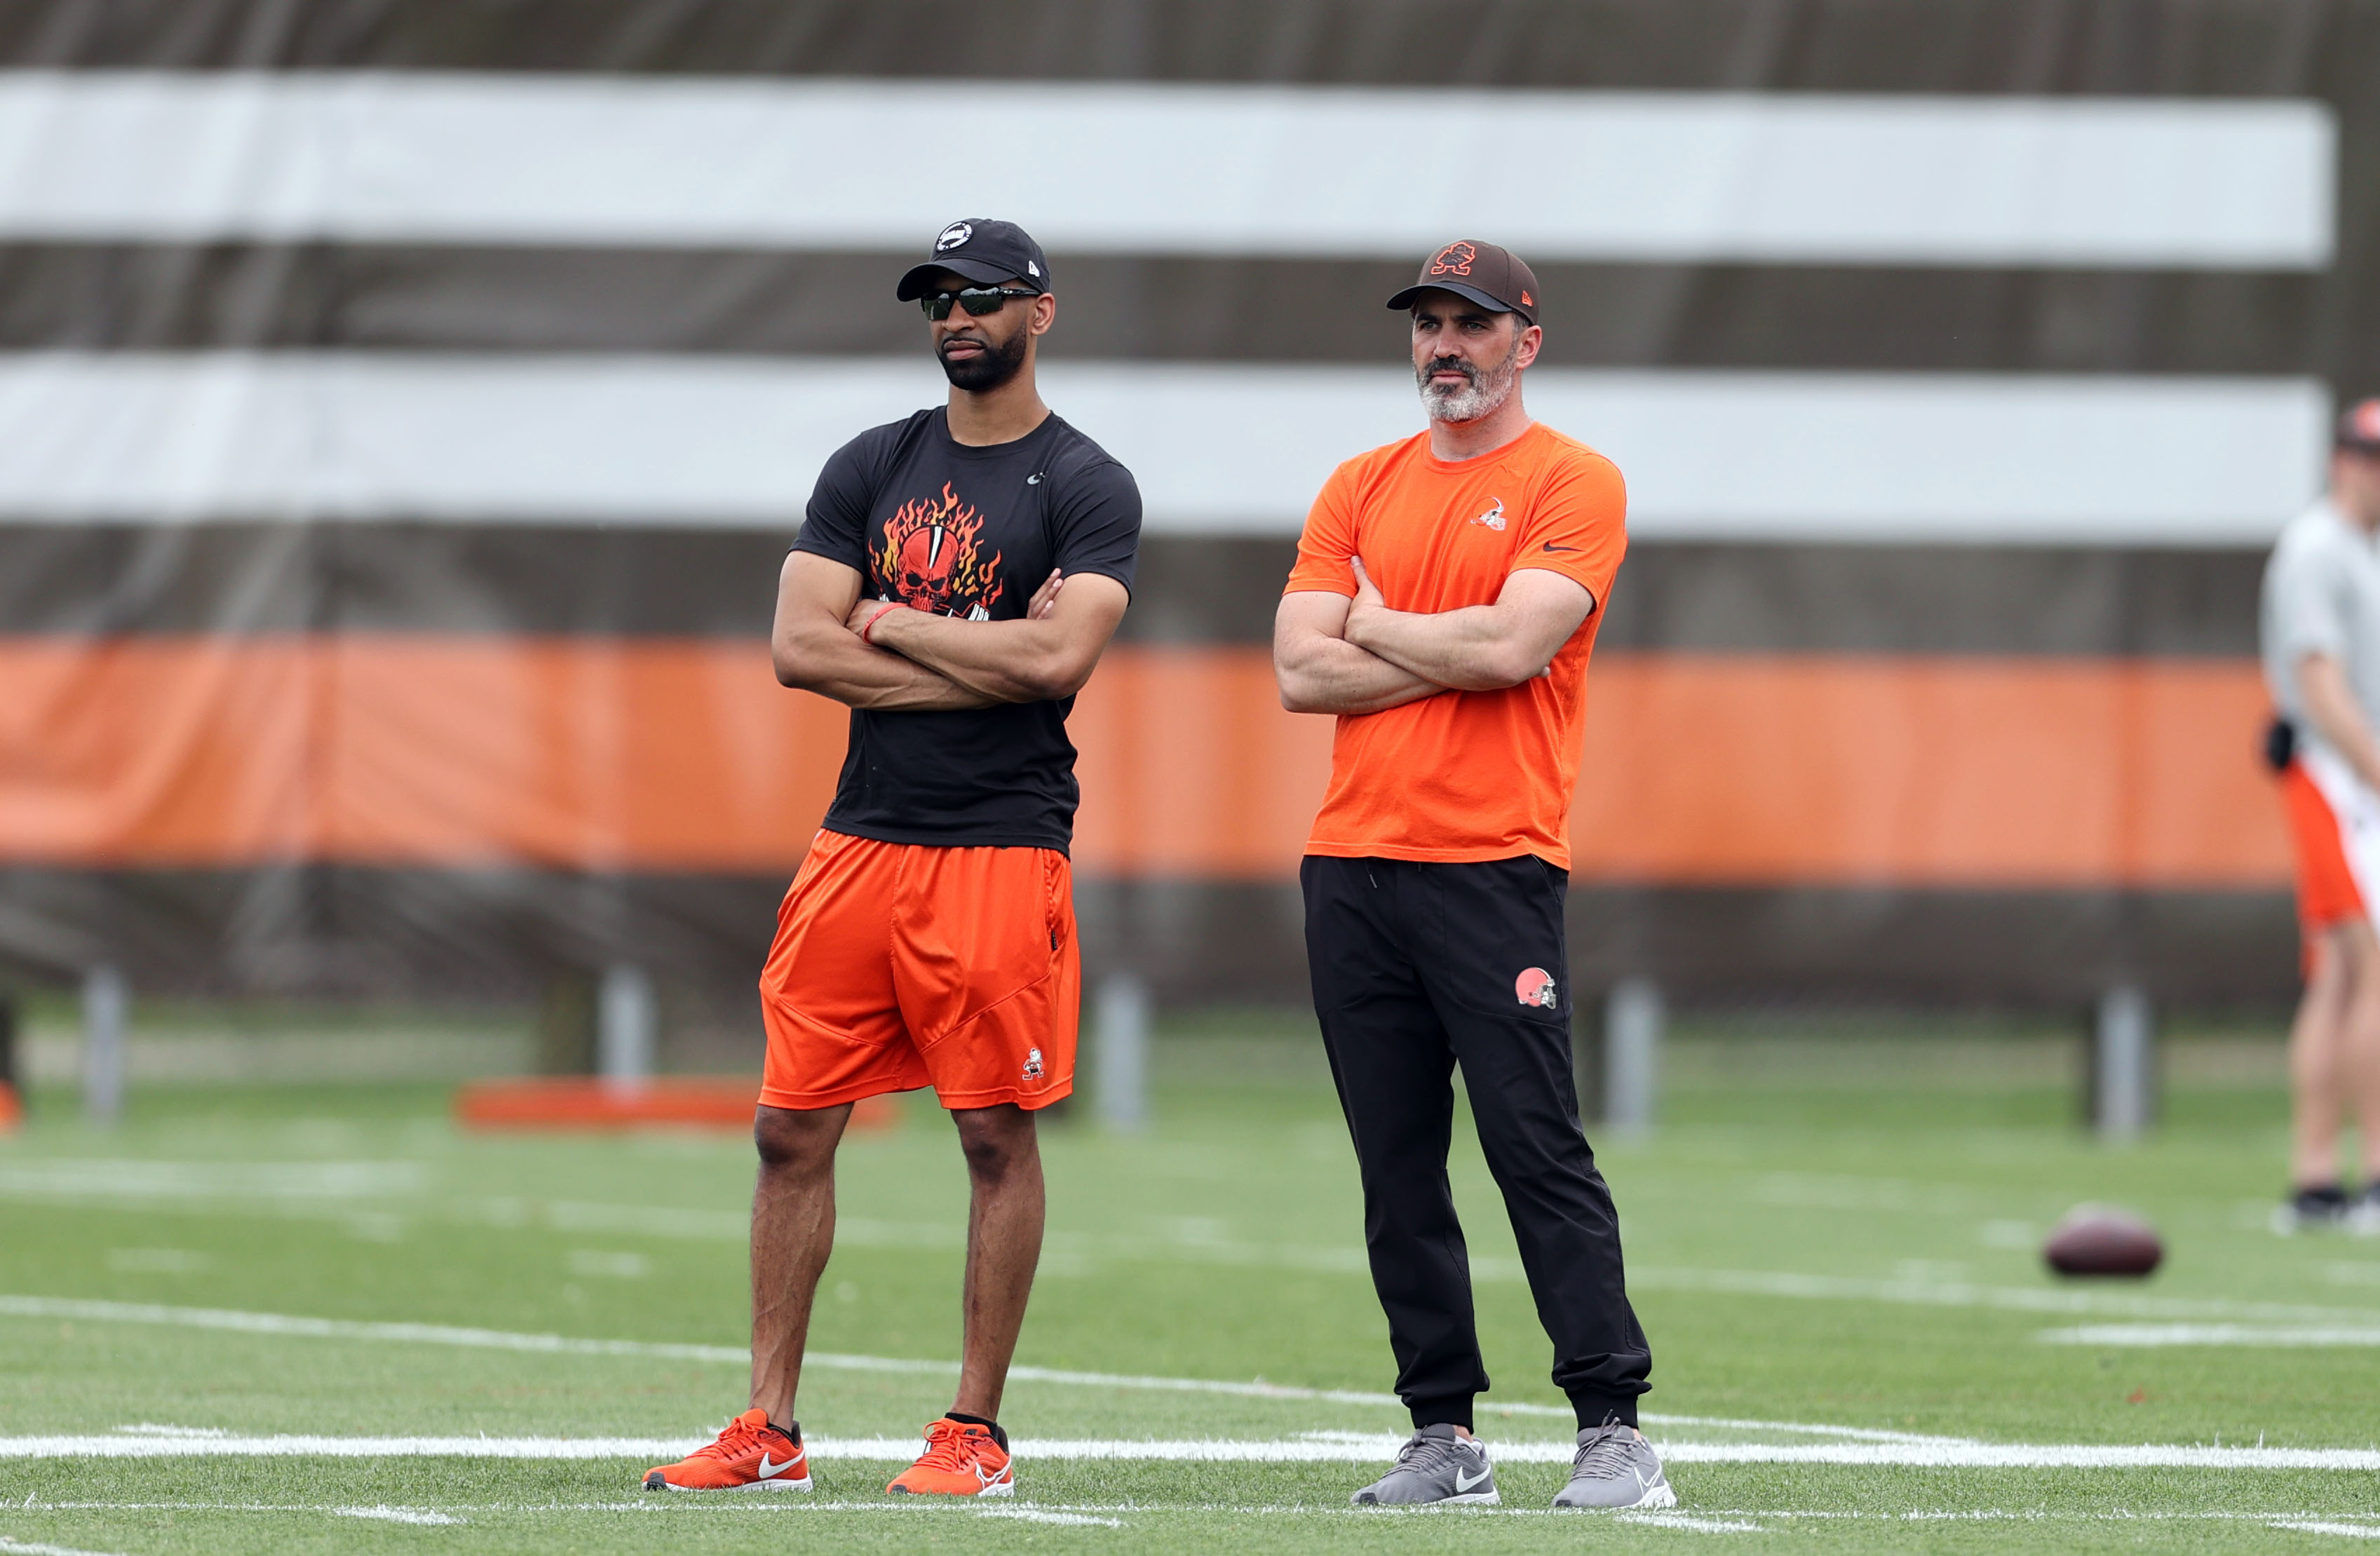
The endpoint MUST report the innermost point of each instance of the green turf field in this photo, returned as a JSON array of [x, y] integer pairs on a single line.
[[1832, 1243]]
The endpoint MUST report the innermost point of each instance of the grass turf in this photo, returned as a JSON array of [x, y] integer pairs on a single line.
[[1916, 1177]]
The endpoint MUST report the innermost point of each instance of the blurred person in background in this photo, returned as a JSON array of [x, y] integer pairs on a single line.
[[956, 577], [1443, 605], [2321, 630]]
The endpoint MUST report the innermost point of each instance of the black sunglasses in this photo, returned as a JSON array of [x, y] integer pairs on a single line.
[[977, 300]]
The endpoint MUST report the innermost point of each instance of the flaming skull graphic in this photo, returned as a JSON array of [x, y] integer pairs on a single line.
[[931, 562]]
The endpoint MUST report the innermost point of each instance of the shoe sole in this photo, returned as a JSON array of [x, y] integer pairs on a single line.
[[1655, 1497], [779, 1484], [1005, 1489], [1472, 1498]]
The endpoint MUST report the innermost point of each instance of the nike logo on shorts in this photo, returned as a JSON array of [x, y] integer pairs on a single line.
[[1550, 546]]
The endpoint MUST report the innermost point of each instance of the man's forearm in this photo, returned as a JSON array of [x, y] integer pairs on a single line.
[[1325, 674], [1469, 649], [833, 663], [997, 660], [2331, 706]]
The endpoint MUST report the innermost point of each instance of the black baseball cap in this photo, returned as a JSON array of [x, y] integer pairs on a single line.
[[2359, 428], [983, 251], [1489, 276]]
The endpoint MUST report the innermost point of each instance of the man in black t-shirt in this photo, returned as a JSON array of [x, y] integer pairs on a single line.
[[956, 579]]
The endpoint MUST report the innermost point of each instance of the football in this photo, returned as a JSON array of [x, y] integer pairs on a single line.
[[2098, 1240]]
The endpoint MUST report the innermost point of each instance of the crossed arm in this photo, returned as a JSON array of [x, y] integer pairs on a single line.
[[918, 663], [1332, 654]]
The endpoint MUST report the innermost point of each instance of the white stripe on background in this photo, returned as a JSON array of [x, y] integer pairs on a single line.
[[2216, 1336], [1319, 1448], [1805, 178], [1218, 449]]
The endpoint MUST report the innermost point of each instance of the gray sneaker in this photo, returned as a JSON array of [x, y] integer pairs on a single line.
[[1615, 1468], [1437, 1465]]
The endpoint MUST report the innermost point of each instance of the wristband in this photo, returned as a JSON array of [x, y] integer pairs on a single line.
[[874, 619]]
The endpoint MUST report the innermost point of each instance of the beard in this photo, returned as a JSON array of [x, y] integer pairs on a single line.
[[1482, 393], [997, 365]]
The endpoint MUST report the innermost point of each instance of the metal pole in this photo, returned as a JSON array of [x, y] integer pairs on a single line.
[[1123, 1052], [105, 1005], [1632, 1022], [2124, 1064], [625, 1027]]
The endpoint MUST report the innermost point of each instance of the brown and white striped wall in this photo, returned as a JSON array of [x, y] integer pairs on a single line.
[[405, 403]]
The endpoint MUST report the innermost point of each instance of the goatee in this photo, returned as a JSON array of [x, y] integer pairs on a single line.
[[1483, 392], [995, 366]]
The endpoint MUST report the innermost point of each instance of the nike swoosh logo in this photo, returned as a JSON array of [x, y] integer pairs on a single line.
[[1463, 1483], [768, 1467], [1550, 546]]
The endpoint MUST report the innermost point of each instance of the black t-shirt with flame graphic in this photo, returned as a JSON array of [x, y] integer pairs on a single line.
[[967, 532]]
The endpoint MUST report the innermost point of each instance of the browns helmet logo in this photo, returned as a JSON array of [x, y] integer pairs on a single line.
[[1453, 259], [929, 560], [1536, 987]]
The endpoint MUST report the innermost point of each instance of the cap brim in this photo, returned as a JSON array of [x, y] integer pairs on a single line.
[[913, 282], [1404, 299]]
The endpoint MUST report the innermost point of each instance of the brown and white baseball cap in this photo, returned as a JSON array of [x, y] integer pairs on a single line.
[[1489, 276]]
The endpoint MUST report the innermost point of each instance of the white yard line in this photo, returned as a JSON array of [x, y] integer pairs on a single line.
[[1960, 1293], [2351, 1531], [2225, 1336], [1684, 1521], [1321, 1448], [90, 1311], [388, 1515], [1037, 1516], [28, 1548]]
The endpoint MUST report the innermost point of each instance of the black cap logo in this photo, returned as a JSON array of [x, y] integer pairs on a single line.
[[952, 236]]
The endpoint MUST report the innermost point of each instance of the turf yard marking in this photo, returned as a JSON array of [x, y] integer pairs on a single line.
[[397, 1514], [2243, 1336], [1684, 1521], [90, 1311], [1036, 1515], [109, 1178], [1960, 1293], [22, 1548], [1316, 1447], [2351, 1531]]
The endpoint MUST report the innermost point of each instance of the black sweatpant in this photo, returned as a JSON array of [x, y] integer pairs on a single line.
[[1417, 967]]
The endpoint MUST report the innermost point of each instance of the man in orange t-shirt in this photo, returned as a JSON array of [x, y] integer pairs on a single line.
[[1444, 603]]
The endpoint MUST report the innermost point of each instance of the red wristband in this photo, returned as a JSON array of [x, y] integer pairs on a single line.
[[874, 619]]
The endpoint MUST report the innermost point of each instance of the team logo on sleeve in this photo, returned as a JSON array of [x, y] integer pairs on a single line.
[[930, 560], [1536, 987], [1494, 517]]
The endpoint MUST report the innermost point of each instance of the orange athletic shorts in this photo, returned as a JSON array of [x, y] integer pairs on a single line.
[[2327, 893], [898, 966]]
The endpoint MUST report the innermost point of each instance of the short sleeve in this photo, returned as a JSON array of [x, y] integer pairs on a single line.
[[2310, 606], [1327, 548], [1095, 522], [1578, 525], [835, 524]]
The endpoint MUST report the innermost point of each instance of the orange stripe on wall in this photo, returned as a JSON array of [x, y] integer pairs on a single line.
[[591, 753], [1928, 772]]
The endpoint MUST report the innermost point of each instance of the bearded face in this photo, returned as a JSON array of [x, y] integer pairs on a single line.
[[995, 365], [1482, 392]]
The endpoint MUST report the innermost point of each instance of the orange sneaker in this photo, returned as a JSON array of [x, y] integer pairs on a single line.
[[961, 1459], [751, 1455]]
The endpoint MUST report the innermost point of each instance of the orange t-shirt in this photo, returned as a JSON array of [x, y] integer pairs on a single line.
[[1465, 775]]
